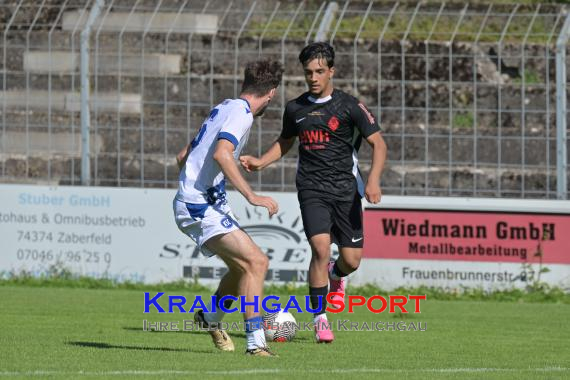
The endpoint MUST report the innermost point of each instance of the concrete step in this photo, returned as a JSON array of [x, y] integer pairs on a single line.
[[33, 143], [414, 179], [70, 102], [468, 181], [429, 105], [67, 62], [160, 22], [440, 142], [115, 102], [466, 150]]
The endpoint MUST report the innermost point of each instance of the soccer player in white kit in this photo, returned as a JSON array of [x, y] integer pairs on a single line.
[[202, 212]]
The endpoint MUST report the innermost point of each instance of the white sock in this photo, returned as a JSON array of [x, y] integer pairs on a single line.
[[320, 317], [214, 317], [255, 339]]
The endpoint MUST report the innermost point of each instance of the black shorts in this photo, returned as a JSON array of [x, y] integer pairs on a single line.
[[342, 219]]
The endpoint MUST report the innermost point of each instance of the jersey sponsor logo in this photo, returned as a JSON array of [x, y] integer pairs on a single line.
[[333, 123], [367, 113], [297, 121], [227, 222], [314, 136]]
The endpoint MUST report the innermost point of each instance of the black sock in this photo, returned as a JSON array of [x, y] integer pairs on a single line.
[[314, 294], [227, 302], [336, 270]]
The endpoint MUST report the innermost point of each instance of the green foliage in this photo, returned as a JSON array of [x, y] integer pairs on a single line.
[[537, 291], [474, 26], [531, 77], [463, 120], [278, 27], [58, 276]]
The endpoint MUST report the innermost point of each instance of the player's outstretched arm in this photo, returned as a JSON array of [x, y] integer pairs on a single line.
[[182, 156], [275, 152], [373, 192], [224, 156]]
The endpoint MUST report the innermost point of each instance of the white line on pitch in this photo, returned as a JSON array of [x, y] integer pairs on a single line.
[[274, 371]]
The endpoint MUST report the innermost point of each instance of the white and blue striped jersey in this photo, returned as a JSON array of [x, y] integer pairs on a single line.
[[201, 179]]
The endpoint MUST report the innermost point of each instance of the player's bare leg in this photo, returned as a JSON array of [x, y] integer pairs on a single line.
[[210, 321], [321, 253], [318, 285], [244, 258]]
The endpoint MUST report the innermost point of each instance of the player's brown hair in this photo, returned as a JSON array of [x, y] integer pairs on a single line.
[[261, 76]]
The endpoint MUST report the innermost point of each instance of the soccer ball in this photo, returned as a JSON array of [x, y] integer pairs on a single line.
[[280, 326]]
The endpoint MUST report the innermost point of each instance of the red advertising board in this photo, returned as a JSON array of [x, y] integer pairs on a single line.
[[466, 236]]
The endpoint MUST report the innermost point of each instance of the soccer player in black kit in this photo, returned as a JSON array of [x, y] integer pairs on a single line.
[[330, 125]]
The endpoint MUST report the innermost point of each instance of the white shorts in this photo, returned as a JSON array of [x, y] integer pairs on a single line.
[[204, 221]]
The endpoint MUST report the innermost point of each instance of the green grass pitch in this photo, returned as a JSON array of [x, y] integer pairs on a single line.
[[81, 333]]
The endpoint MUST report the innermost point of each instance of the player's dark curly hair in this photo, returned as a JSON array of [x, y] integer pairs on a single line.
[[317, 50], [261, 76]]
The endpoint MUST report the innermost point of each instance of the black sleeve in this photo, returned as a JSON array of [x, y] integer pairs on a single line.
[[363, 119], [289, 129]]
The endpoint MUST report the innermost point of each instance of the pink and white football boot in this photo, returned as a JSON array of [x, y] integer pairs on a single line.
[[337, 286], [323, 332]]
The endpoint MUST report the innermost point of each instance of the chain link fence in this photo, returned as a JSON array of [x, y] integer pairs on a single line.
[[466, 93]]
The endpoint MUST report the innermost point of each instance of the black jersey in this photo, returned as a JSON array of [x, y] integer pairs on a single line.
[[330, 132]]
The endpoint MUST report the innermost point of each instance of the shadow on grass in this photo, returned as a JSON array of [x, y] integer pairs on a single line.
[[141, 348], [237, 334], [233, 334]]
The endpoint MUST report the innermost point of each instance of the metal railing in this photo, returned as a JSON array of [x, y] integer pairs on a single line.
[[471, 97]]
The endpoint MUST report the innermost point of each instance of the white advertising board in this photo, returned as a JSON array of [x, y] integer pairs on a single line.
[[466, 242], [130, 235]]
